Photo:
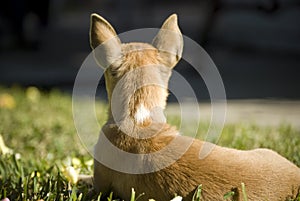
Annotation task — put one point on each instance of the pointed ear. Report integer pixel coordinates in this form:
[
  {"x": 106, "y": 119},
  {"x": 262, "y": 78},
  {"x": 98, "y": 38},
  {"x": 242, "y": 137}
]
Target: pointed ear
[
  {"x": 169, "y": 41},
  {"x": 104, "y": 41}
]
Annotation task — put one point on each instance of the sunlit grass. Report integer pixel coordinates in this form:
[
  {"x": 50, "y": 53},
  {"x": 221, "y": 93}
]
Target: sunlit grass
[{"x": 38, "y": 127}]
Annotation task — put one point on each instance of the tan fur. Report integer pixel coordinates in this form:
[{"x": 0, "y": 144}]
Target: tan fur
[{"x": 267, "y": 175}]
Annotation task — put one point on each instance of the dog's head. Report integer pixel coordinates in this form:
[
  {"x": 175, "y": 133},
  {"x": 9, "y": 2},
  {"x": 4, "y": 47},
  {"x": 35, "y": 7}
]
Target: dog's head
[{"x": 142, "y": 66}]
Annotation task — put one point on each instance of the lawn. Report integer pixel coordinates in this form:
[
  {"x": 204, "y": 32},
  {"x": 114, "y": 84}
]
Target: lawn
[{"x": 38, "y": 129}]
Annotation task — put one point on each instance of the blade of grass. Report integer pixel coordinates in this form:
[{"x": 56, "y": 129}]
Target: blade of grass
[
  {"x": 132, "y": 195},
  {"x": 110, "y": 198},
  {"x": 244, "y": 192},
  {"x": 197, "y": 194},
  {"x": 99, "y": 196},
  {"x": 228, "y": 195},
  {"x": 140, "y": 195}
]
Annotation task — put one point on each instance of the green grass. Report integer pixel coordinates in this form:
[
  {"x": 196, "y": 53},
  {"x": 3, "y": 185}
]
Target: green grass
[{"x": 39, "y": 128}]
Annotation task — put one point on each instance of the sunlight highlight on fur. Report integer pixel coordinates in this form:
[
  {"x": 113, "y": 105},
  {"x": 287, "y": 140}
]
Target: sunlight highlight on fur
[{"x": 141, "y": 114}]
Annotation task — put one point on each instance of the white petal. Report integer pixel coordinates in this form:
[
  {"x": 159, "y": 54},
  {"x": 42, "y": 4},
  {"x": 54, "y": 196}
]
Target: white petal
[
  {"x": 3, "y": 148},
  {"x": 71, "y": 174},
  {"x": 177, "y": 198}
]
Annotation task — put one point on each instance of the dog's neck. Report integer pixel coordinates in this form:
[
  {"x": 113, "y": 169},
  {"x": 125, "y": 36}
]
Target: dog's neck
[{"x": 138, "y": 99}]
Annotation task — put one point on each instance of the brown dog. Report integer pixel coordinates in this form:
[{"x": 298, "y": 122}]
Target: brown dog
[{"x": 137, "y": 77}]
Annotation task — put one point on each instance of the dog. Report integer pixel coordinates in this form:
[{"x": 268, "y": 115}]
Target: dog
[{"x": 136, "y": 76}]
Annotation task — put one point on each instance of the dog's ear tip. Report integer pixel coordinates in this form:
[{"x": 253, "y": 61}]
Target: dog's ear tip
[
  {"x": 95, "y": 17},
  {"x": 171, "y": 23},
  {"x": 174, "y": 17}
]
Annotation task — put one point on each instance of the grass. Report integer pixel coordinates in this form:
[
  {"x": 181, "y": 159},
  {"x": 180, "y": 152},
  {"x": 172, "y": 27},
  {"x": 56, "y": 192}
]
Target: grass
[{"x": 39, "y": 128}]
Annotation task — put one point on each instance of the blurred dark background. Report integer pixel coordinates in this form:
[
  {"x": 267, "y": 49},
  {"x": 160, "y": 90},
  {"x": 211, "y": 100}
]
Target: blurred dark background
[{"x": 254, "y": 43}]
